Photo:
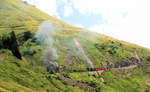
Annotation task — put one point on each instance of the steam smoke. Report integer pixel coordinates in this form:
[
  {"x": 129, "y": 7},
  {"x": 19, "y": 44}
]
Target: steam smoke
[
  {"x": 83, "y": 53},
  {"x": 44, "y": 36}
]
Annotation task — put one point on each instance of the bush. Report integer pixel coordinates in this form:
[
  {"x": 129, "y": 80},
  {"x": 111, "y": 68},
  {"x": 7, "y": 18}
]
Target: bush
[{"x": 148, "y": 58}]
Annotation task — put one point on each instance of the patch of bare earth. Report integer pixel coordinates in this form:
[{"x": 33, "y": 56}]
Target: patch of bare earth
[
  {"x": 24, "y": 59},
  {"x": 147, "y": 81},
  {"x": 3, "y": 90},
  {"x": 2, "y": 57},
  {"x": 146, "y": 68},
  {"x": 135, "y": 55},
  {"x": 72, "y": 82},
  {"x": 95, "y": 73}
]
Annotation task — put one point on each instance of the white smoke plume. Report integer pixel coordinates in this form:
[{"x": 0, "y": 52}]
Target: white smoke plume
[
  {"x": 83, "y": 53},
  {"x": 44, "y": 37}
]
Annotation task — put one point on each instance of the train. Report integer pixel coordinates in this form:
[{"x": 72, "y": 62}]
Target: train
[
  {"x": 61, "y": 68},
  {"x": 96, "y": 69}
]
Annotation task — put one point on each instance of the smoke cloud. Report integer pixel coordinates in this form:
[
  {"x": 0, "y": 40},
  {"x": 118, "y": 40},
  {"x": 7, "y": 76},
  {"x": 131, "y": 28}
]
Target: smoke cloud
[
  {"x": 83, "y": 53},
  {"x": 44, "y": 37}
]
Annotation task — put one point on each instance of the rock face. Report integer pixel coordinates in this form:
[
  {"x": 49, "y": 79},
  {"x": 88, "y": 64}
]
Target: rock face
[
  {"x": 126, "y": 63},
  {"x": 121, "y": 64},
  {"x": 9, "y": 42}
]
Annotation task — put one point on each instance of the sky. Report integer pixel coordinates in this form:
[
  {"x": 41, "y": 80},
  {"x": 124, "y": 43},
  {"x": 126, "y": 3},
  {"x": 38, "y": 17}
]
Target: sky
[{"x": 127, "y": 20}]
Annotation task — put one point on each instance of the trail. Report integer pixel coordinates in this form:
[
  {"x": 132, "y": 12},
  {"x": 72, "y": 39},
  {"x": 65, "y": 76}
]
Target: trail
[
  {"x": 83, "y": 53},
  {"x": 98, "y": 73},
  {"x": 128, "y": 67},
  {"x": 72, "y": 82}
]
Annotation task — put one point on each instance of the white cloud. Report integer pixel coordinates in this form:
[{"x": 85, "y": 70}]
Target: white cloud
[
  {"x": 48, "y": 6},
  {"x": 134, "y": 27},
  {"x": 68, "y": 10},
  {"x": 99, "y": 6},
  {"x": 125, "y": 19}
]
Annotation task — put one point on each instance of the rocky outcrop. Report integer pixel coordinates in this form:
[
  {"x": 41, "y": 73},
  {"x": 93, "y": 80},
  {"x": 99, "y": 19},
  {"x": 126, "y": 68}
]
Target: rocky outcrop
[
  {"x": 126, "y": 63},
  {"x": 123, "y": 64},
  {"x": 9, "y": 41},
  {"x": 120, "y": 64}
]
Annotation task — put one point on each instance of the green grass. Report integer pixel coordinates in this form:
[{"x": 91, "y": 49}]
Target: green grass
[
  {"x": 31, "y": 76},
  {"x": 19, "y": 75},
  {"x": 113, "y": 83}
]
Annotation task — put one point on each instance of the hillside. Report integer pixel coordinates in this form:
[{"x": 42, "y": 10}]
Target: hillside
[{"x": 41, "y": 53}]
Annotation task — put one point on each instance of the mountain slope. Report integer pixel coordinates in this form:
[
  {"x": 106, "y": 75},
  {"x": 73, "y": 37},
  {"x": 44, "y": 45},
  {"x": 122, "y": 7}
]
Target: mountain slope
[{"x": 75, "y": 46}]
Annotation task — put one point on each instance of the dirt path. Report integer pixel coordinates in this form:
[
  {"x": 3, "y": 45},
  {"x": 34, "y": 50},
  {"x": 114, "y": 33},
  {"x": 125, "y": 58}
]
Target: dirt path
[
  {"x": 122, "y": 72},
  {"x": 147, "y": 81},
  {"x": 129, "y": 67},
  {"x": 72, "y": 82},
  {"x": 2, "y": 57}
]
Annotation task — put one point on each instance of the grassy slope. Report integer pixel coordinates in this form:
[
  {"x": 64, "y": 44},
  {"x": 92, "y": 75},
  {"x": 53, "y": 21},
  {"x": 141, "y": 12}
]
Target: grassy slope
[{"x": 29, "y": 75}]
